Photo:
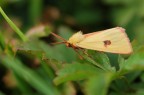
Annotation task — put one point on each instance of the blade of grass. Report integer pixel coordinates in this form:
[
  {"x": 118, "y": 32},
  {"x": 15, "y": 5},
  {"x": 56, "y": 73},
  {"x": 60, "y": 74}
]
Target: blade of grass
[
  {"x": 41, "y": 85},
  {"x": 2, "y": 42},
  {"x": 22, "y": 85},
  {"x": 13, "y": 26}
]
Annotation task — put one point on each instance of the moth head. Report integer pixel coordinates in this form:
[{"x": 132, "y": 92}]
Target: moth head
[{"x": 76, "y": 38}]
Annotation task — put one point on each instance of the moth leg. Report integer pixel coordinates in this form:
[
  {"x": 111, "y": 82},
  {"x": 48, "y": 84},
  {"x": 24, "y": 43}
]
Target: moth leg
[
  {"x": 75, "y": 49},
  {"x": 81, "y": 57},
  {"x": 84, "y": 51}
]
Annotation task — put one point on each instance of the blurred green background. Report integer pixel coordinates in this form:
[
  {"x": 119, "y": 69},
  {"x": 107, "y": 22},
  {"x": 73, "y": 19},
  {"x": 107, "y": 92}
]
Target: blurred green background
[{"x": 29, "y": 74}]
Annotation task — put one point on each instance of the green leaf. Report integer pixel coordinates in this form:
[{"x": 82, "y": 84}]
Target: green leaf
[
  {"x": 100, "y": 59},
  {"x": 36, "y": 45},
  {"x": 99, "y": 84},
  {"x": 92, "y": 61},
  {"x": 103, "y": 59},
  {"x": 54, "y": 64},
  {"x": 134, "y": 62},
  {"x": 48, "y": 69},
  {"x": 75, "y": 71},
  {"x": 121, "y": 60}
]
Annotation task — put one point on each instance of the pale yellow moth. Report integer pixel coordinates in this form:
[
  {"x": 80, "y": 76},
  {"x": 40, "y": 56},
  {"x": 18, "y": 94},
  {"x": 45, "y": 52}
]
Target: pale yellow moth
[{"x": 112, "y": 40}]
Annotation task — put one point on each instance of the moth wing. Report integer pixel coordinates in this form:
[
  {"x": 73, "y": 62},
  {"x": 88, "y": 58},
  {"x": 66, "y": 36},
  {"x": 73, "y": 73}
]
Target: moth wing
[{"x": 112, "y": 40}]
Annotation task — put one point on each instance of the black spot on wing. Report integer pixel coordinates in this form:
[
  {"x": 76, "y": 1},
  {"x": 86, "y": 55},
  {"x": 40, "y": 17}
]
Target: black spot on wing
[{"x": 107, "y": 43}]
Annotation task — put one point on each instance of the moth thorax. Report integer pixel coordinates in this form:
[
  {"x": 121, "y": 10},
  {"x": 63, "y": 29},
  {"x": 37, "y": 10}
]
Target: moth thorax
[{"x": 76, "y": 38}]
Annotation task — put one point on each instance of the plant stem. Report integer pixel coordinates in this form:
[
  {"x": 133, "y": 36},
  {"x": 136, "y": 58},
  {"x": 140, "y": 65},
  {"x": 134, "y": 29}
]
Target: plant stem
[{"x": 13, "y": 26}]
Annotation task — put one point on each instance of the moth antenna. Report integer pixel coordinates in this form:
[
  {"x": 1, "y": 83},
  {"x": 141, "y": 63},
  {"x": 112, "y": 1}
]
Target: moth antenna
[{"x": 57, "y": 36}]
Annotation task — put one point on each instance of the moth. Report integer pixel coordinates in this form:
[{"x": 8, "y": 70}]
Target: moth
[{"x": 113, "y": 40}]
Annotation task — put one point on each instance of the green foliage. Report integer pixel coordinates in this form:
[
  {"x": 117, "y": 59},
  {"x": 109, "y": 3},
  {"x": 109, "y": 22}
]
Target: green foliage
[
  {"x": 75, "y": 71},
  {"x": 28, "y": 75},
  {"x": 101, "y": 86},
  {"x": 42, "y": 68}
]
